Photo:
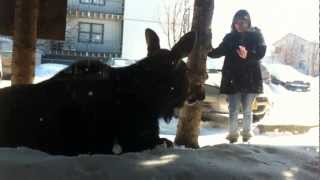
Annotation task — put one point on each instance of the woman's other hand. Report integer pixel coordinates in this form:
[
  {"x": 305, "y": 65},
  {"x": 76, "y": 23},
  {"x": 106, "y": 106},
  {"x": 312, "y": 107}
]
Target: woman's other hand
[{"x": 242, "y": 52}]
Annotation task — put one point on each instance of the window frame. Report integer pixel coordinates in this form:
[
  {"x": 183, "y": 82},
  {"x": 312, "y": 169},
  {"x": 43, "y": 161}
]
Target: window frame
[
  {"x": 93, "y": 2},
  {"x": 91, "y": 33},
  {"x": 82, "y": 2}
]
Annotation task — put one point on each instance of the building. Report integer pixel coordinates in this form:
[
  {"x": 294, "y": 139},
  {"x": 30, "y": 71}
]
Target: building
[
  {"x": 298, "y": 53},
  {"x": 123, "y": 24},
  {"x": 94, "y": 30}
]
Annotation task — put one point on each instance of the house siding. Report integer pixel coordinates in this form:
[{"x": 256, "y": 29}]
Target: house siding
[
  {"x": 110, "y": 6},
  {"x": 110, "y": 15},
  {"x": 298, "y": 53}
]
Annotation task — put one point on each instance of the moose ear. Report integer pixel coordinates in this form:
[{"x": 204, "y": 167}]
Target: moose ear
[
  {"x": 184, "y": 45},
  {"x": 152, "y": 40}
]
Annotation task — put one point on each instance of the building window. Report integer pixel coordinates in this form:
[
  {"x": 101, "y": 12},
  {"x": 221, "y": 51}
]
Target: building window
[
  {"x": 91, "y": 33},
  {"x": 302, "y": 49},
  {"x": 93, "y": 2},
  {"x": 278, "y": 50}
]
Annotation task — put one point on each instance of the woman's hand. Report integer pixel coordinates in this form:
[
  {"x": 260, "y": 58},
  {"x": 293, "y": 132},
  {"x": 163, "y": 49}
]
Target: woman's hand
[{"x": 242, "y": 52}]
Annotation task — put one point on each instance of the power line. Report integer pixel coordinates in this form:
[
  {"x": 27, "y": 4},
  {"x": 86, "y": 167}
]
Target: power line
[
  {"x": 141, "y": 20},
  {"x": 148, "y": 21}
]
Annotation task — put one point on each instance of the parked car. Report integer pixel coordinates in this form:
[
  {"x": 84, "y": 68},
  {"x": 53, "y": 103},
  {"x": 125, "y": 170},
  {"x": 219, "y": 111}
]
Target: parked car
[
  {"x": 215, "y": 104},
  {"x": 266, "y": 75},
  {"x": 289, "y": 77},
  {"x": 215, "y": 66}
]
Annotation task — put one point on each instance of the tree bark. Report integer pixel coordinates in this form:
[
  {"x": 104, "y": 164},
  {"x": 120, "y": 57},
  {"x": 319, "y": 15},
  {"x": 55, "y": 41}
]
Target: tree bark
[
  {"x": 24, "y": 46},
  {"x": 191, "y": 114}
]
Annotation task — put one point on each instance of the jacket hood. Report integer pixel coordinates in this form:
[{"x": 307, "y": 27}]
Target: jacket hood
[{"x": 241, "y": 15}]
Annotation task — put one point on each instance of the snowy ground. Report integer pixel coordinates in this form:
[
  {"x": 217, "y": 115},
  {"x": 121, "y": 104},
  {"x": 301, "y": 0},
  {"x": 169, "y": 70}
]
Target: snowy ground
[
  {"x": 237, "y": 162},
  {"x": 215, "y": 136}
]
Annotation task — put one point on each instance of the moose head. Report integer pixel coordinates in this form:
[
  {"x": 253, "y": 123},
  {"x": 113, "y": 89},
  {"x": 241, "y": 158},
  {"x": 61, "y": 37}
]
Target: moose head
[{"x": 168, "y": 71}]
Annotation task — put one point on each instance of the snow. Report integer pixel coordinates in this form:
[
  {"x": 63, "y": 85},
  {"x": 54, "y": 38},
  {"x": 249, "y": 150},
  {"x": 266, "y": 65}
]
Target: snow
[
  {"x": 5, "y": 83},
  {"x": 214, "y": 79},
  {"x": 120, "y": 62},
  {"x": 42, "y": 73},
  {"x": 223, "y": 161},
  {"x": 46, "y": 71},
  {"x": 286, "y": 73},
  {"x": 294, "y": 108},
  {"x": 213, "y": 136}
]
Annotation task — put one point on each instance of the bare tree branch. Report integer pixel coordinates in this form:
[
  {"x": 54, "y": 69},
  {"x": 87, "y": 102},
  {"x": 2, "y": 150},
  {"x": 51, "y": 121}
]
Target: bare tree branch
[{"x": 177, "y": 21}]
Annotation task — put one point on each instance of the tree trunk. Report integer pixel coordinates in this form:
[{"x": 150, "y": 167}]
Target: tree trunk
[
  {"x": 24, "y": 46},
  {"x": 191, "y": 114}
]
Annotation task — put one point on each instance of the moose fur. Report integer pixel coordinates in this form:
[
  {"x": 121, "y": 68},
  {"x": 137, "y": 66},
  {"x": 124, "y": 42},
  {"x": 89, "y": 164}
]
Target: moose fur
[{"x": 90, "y": 107}]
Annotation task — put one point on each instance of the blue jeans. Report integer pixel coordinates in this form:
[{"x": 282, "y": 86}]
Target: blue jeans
[{"x": 246, "y": 99}]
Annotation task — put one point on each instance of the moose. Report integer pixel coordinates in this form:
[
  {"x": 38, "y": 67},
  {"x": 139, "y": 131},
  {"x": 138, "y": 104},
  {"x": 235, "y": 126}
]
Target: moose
[{"x": 90, "y": 107}]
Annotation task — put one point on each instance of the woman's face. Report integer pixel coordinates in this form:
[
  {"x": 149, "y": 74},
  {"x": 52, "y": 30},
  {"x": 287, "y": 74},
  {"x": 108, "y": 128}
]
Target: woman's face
[{"x": 241, "y": 25}]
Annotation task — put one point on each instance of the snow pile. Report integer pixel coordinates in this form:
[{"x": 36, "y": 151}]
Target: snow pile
[
  {"x": 46, "y": 71},
  {"x": 294, "y": 108},
  {"x": 218, "y": 162},
  {"x": 286, "y": 73},
  {"x": 42, "y": 73},
  {"x": 5, "y": 83}
]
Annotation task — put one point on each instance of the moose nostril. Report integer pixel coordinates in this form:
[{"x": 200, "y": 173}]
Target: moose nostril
[
  {"x": 202, "y": 97},
  {"x": 192, "y": 99}
]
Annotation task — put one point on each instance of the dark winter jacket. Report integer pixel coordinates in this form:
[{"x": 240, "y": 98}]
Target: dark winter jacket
[{"x": 239, "y": 75}]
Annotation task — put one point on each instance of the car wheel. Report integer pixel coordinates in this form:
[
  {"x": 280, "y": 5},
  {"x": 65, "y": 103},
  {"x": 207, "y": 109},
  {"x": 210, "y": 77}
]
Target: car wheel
[{"x": 257, "y": 118}]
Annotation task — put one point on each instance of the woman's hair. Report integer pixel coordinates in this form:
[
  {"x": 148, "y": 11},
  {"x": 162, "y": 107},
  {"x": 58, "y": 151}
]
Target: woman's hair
[{"x": 241, "y": 15}]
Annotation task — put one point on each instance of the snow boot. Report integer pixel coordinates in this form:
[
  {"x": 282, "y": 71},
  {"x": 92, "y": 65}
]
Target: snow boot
[
  {"x": 233, "y": 138},
  {"x": 246, "y": 135}
]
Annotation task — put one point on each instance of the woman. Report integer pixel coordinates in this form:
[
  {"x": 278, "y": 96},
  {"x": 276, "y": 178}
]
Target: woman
[{"x": 243, "y": 47}]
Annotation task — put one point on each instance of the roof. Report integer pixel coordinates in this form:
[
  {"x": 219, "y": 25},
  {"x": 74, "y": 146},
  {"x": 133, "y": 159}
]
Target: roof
[{"x": 289, "y": 35}]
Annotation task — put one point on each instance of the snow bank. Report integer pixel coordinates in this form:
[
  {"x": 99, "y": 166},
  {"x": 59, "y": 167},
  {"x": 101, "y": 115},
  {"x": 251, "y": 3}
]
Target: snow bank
[
  {"x": 5, "y": 83},
  {"x": 42, "y": 73},
  {"x": 46, "y": 71},
  {"x": 286, "y": 73},
  {"x": 218, "y": 162},
  {"x": 294, "y": 108}
]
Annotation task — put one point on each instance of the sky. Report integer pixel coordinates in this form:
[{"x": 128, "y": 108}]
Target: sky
[{"x": 275, "y": 18}]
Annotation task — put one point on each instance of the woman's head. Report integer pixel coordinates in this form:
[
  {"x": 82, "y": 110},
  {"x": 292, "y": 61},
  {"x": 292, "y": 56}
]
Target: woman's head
[{"x": 241, "y": 21}]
